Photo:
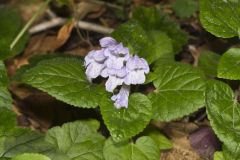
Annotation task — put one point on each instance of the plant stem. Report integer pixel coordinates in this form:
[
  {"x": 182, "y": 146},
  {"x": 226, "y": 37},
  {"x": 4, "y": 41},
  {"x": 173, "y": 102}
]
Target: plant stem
[{"x": 29, "y": 23}]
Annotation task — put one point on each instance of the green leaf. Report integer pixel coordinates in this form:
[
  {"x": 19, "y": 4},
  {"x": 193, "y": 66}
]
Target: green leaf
[
  {"x": 127, "y": 122},
  {"x": 223, "y": 111},
  {"x": 76, "y": 141},
  {"x": 31, "y": 156},
  {"x": 15, "y": 140},
  {"x": 144, "y": 149},
  {"x": 229, "y": 65},
  {"x": 5, "y": 97},
  {"x": 149, "y": 45},
  {"x": 220, "y": 17},
  {"x": 218, "y": 156},
  {"x": 160, "y": 46},
  {"x": 208, "y": 62},
  {"x": 185, "y": 8},
  {"x": 162, "y": 141},
  {"x": 153, "y": 19},
  {"x": 179, "y": 91},
  {"x": 64, "y": 79},
  {"x": 10, "y": 25}
]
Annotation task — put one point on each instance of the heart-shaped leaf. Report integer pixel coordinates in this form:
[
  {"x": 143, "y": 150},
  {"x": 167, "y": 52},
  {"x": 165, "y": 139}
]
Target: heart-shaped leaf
[
  {"x": 179, "y": 91},
  {"x": 64, "y": 79},
  {"x": 76, "y": 141},
  {"x": 224, "y": 114},
  {"x": 127, "y": 122}
]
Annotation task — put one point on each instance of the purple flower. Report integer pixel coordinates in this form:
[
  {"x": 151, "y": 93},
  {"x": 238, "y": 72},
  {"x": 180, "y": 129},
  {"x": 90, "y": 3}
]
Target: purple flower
[
  {"x": 114, "y": 62},
  {"x": 121, "y": 99},
  {"x": 137, "y": 68},
  {"x": 116, "y": 78}
]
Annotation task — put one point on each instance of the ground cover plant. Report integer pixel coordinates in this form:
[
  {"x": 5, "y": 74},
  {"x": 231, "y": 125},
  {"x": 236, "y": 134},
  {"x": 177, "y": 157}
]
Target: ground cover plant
[{"x": 119, "y": 80}]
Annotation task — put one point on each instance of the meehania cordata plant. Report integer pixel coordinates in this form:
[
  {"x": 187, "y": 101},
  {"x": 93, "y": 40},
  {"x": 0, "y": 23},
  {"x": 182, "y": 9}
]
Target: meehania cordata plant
[{"x": 138, "y": 57}]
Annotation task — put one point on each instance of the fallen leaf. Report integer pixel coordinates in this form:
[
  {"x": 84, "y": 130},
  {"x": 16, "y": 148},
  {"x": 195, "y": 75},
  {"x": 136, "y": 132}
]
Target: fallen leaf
[{"x": 64, "y": 33}]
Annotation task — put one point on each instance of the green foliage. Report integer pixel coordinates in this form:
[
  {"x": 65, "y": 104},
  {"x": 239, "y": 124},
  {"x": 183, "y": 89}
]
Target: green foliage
[
  {"x": 10, "y": 25},
  {"x": 144, "y": 149},
  {"x": 149, "y": 45},
  {"x": 185, "y": 8},
  {"x": 31, "y": 156},
  {"x": 228, "y": 66},
  {"x": 179, "y": 91},
  {"x": 153, "y": 19},
  {"x": 125, "y": 123},
  {"x": 5, "y": 97},
  {"x": 223, "y": 112},
  {"x": 162, "y": 141},
  {"x": 208, "y": 62},
  {"x": 76, "y": 141},
  {"x": 64, "y": 79},
  {"x": 218, "y": 156},
  {"x": 15, "y": 140},
  {"x": 221, "y": 17}
]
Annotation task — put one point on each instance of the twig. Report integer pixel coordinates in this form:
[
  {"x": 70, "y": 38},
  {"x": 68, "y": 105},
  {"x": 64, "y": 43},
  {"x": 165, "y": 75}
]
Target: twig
[
  {"x": 55, "y": 22},
  {"x": 29, "y": 23},
  {"x": 51, "y": 14}
]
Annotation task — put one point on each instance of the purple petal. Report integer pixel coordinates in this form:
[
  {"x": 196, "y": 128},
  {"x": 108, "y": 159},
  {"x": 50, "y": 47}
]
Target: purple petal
[
  {"x": 121, "y": 99},
  {"x": 104, "y": 73},
  {"x": 144, "y": 66},
  {"x": 107, "y": 41},
  {"x": 107, "y": 52},
  {"x": 132, "y": 63},
  {"x": 135, "y": 77},
  {"x": 89, "y": 58},
  {"x": 136, "y": 63},
  {"x": 113, "y": 82},
  {"x": 120, "y": 49},
  {"x": 94, "y": 70},
  {"x": 115, "y": 62},
  {"x": 121, "y": 73},
  {"x": 99, "y": 55}
]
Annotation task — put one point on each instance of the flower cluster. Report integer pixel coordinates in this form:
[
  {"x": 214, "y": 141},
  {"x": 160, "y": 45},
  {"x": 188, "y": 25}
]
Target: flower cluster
[{"x": 114, "y": 62}]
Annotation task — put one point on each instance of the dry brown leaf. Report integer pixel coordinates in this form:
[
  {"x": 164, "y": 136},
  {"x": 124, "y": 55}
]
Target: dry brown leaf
[
  {"x": 64, "y": 33},
  {"x": 42, "y": 44}
]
